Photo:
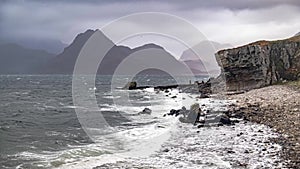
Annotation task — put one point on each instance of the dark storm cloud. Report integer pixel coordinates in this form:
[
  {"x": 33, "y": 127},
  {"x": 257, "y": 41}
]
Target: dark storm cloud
[
  {"x": 236, "y": 4},
  {"x": 191, "y": 4}
]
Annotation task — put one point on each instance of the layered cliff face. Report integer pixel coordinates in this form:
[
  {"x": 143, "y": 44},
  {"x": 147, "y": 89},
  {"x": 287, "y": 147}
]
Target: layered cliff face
[{"x": 260, "y": 64}]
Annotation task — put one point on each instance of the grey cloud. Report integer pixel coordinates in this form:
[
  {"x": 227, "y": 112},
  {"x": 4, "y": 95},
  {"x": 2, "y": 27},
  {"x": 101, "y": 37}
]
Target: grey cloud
[
  {"x": 191, "y": 4},
  {"x": 218, "y": 19}
]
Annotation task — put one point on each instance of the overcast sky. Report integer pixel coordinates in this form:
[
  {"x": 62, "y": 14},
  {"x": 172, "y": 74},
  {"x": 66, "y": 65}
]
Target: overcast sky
[{"x": 226, "y": 21}]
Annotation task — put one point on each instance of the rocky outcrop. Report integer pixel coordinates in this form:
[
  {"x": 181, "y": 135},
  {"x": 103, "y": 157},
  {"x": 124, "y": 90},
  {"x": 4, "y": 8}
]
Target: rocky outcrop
[
  {"x": 130, "y": 86},
  {"x": 260, "y": 64}
]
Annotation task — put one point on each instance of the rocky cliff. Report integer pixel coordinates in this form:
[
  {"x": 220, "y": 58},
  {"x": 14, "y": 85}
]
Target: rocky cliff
[{"x": 260, "y": 63}]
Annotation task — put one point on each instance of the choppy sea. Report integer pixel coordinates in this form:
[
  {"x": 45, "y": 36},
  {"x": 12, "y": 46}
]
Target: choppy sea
[{"x": 39, "y": 128}]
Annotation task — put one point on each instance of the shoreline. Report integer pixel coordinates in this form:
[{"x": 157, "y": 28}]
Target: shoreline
[
  {"x": 267, "y": 137},
  {"x": 244, "y": 144},
  {"x": 278, "y": 107}
]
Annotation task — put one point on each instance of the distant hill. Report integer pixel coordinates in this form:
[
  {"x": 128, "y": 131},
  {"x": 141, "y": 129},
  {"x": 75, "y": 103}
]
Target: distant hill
[
  {"x": 15, "y": 59},
  {"x": 49, "y": 45},
  {"x": 298, "y": 34},
  {"x": 206, "y": 63}
]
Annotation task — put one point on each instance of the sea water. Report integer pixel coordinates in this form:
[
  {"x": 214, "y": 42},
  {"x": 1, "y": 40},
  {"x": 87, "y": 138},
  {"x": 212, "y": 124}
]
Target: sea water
[{"x": 39, "y": 127}]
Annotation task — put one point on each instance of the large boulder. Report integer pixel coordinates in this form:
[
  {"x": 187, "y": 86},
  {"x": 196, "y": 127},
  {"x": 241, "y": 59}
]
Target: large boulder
[{"x": 194, "y": 113}]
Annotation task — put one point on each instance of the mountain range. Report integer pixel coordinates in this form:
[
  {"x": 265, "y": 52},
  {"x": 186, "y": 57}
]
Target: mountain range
[{"x": 22, "y": 59}]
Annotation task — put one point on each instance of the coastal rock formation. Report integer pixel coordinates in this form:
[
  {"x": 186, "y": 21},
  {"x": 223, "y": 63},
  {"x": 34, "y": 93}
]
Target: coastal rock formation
[
  {"x": 260, "y": 63},
  {"x": 203, "y": 118}
]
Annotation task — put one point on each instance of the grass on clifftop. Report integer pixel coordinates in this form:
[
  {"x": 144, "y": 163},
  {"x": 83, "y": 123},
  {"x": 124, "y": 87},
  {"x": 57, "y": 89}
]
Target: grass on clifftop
[{"x": 293, "y": 83}]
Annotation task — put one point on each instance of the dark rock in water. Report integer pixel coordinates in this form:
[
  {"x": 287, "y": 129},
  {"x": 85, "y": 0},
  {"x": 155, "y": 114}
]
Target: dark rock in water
[
  {"x": 224, "y": 119},
  {"x": 246, "y": 152},
  {"x": 230, "y": 152},
  {"x": 205, "y": 88},
  {"x": 130, "y": 86},
  {"x": 240, "y": 134},
  {"x": 173, "y": 97},
  {"x": 194, "y": 113},
  {"x": 166, "y": 87},
  {"x": 178, "y": 112},
  {"x": 183, "y": 120},
  {"x": 189, "y": 116},
  {"x": 184, "y": 111},
  {"x": 146, "y": 111},
  {"x": 200, "y": 125},
  {"x": 203, "y": 95},
  {"x": 172, "y": 112}
]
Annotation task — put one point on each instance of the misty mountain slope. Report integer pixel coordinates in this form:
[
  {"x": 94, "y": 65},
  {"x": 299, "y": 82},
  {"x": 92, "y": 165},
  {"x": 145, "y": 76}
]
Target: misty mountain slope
[
  {"x": 206, "y": 63},
  {"x": 65, "y": 61},
  {"x": 49, "y": 45},
  {"x": 15, "y": 59}
]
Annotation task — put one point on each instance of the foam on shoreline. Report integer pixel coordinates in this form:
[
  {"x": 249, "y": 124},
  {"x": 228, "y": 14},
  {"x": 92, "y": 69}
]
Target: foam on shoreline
[{"x": 178, "y": 145}]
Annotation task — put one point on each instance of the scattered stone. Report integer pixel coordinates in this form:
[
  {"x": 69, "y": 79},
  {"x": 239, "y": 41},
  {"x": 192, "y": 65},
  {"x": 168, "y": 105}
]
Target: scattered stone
[
  {"x": 224, "y": 119},
  {"x": 275, "y": 107},
  {"x": 146, "y": 111},
  {"x": 203, "y": 95},
  {"x": 240, "y": 134}
]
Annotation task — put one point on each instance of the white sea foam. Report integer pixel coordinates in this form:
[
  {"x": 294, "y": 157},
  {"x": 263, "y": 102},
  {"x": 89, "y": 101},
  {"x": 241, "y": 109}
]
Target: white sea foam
[{"x": 170, "y": 144}]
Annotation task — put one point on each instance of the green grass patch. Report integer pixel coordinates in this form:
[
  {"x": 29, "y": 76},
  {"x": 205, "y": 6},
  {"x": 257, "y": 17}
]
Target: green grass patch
[{"x": 295, "y": 83}]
